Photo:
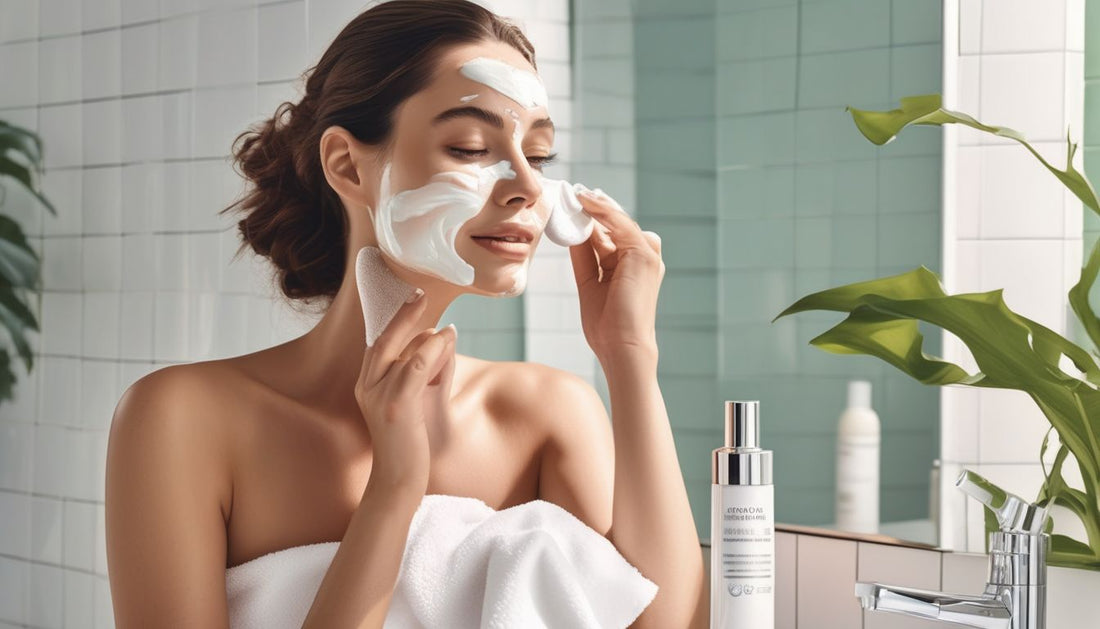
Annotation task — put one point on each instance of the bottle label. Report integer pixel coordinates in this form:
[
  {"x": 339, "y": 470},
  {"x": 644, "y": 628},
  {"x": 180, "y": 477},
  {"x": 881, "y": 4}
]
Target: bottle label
[{"x": 742, "y": 556}]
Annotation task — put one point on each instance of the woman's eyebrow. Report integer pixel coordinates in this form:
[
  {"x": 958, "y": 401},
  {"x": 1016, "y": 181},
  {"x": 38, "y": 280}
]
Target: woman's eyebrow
[{"x": 484, "y": 115}]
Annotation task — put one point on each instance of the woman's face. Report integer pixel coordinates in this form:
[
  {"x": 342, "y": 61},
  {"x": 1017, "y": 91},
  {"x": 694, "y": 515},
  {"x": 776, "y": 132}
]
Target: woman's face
[{"x": 464, "y": 172}]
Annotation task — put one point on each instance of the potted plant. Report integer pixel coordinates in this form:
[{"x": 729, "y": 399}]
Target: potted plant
[
  {"x": 20, "y": 267},
  {"x": 1011, "y": 351}
]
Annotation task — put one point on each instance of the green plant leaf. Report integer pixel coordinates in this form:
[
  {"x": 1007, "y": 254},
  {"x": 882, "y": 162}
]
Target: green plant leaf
[
  {"x": 1070, "y": 553},
  {"x": 1056, "y": 491},
  {"x": 1011, "y": 351},
  {"x": 881, "y": 127},
  {"x": 1079, "y": 296},
  {"x": 15, "y": 318},
  {"x": 19, "y": 264},
  {"x": 22, "y": 174},
  {"x": 897, "y": 341},
  {"x": 20, "y": 140},
  {"x": 920, "y": 282},
  {"x": 7, "y": 378}
]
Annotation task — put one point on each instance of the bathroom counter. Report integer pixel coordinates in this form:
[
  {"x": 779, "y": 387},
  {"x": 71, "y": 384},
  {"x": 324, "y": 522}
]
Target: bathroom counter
[{"x": 816, "y": 570}]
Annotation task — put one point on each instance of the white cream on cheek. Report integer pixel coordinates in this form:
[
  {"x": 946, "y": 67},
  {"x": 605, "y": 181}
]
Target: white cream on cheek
[{"x": 418, "y": 227}]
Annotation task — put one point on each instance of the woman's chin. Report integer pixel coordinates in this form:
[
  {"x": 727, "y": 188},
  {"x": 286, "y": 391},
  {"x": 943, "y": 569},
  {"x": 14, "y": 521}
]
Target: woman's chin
[{"x": 501, "y": 284}]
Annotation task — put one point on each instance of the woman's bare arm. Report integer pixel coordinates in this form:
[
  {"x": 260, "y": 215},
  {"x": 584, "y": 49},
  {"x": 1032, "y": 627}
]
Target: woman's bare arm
[
  {"x": 619, "y": 272},
  {"x": 629, "y": 482},
  {"x": 652, "y": 525},
  {"x": 168, "y": 491},
  {"x": 359, "y": 584},
  {"x": 394, "y": 394}
]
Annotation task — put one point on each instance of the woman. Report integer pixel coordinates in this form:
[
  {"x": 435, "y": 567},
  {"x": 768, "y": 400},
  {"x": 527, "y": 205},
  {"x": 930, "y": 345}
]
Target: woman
[{"x": 216, "y": 463}]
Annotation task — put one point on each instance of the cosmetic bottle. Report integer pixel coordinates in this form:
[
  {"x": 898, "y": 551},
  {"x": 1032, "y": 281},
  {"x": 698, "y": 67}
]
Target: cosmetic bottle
[
  {"x": 857, "y": 462},
  {"x": 742, "y": 525}
]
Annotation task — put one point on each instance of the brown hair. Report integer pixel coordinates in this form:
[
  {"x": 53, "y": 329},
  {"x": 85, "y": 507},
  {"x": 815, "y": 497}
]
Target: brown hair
[{"x": 382, "y": 57}]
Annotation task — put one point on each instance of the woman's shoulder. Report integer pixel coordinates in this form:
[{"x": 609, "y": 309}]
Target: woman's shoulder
[
  {"x": 170, "y": 421},
  {"x": 188, "y": 384},
  {"x": 196, "y": 396},
  {"x": 519, "y": 388}
]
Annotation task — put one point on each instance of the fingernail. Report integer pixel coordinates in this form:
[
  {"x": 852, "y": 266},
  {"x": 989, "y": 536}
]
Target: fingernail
[
  {"x": 415, "y": 296},
  {"x": 453, "y": 329}
]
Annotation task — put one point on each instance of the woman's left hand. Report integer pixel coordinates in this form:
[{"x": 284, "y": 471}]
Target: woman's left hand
[{"x": 618, "y": 272}]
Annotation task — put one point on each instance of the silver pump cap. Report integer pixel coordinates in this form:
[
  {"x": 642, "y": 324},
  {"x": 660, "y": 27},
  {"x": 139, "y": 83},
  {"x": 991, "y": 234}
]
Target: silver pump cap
[
  {"x": 741, "y": 461},
  {"x": 742, "y": 424}
]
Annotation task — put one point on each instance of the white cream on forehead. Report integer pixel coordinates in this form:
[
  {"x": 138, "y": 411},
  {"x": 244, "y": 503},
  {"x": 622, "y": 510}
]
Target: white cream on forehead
[
  {"x": 418, "y": 227},
  {"x": 520, "y": 85}
]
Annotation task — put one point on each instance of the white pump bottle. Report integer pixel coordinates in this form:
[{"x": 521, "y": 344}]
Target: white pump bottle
[
  {"x": 742, "y": 525},
  {"x": 857, "y": 462}
]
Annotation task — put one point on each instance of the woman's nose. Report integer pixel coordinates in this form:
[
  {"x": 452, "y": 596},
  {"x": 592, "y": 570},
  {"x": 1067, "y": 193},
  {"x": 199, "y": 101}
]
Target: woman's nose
[{"x": 523, "y": 190}]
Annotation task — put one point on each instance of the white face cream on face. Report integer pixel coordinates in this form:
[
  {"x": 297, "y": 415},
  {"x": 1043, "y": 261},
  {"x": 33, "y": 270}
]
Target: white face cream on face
[
  {"x": 568, "y": 224},
  {"x": 418, "y": 227},
  {"x": 520, "y": 85}
]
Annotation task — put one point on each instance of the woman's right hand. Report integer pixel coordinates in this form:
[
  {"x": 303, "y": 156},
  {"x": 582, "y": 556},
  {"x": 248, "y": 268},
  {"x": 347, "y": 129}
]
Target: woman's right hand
[{"x": 403, "y": 384}]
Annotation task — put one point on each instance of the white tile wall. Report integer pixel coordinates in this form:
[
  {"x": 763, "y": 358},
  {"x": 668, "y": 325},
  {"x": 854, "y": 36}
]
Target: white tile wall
[
  {"x": 137, "y": 108},
  {"x": 1018, "y": 64}
]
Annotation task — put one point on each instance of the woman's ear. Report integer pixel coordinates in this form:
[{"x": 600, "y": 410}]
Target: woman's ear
[{"x": 350, "y": 167}]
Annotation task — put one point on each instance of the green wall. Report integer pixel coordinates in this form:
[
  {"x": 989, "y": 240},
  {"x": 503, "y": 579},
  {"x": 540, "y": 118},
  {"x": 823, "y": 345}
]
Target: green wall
[{"x": 763, "y": 191}]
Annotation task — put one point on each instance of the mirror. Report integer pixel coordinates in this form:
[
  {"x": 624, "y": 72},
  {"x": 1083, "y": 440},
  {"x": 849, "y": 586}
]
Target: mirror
[{"x": 722, "y": 124}]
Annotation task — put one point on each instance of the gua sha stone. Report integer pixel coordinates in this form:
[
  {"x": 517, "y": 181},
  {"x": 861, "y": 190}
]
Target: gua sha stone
[{"x": 381, "y": 293}]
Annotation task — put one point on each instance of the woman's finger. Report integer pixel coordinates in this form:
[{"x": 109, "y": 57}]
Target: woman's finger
[
  {"x": 654, "y": 240},
  {"x": 606, "y": 251},
  {"x": 415, "y": 343},
  {"x": 623, "y": 229},
  {"x": 415, "y": 373},
  {"x": 586, "y": 267},
  {"x": 411, "y": 347},
  {"x": 446, "y": 375}
]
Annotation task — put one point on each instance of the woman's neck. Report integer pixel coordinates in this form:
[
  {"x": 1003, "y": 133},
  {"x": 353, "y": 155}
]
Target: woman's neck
[{"x": 327, "y": 360}]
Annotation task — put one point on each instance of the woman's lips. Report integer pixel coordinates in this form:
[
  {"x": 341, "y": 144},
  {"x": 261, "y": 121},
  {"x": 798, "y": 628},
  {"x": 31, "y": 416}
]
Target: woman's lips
[{"x": 504, "y": 248}]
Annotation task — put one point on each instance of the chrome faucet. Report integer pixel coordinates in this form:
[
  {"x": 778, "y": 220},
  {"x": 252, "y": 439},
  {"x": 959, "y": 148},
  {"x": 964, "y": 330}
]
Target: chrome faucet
[{"x": 1015, "y": 595}]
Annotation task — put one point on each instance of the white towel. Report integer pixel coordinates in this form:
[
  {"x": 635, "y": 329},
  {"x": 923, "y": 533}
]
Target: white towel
[{"x": 465, "y": 566}]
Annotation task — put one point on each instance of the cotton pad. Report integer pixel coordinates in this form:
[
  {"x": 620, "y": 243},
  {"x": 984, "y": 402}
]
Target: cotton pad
[
  {"x": 381, "y": 293},
  {"x": 568, "y": 224}
]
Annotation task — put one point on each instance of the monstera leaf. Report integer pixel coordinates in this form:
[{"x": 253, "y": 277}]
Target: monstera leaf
[
  {"x": 1011, "y": 351},
  {"x": 20, "y": 155}
]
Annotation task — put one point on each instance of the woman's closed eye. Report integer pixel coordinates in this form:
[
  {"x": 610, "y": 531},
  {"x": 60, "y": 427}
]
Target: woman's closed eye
[{"x": 538, "y": 161}]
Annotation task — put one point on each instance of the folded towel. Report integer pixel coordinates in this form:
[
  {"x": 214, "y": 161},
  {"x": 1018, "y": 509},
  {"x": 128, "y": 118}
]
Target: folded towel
[{"x": 465, "y": 566}]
